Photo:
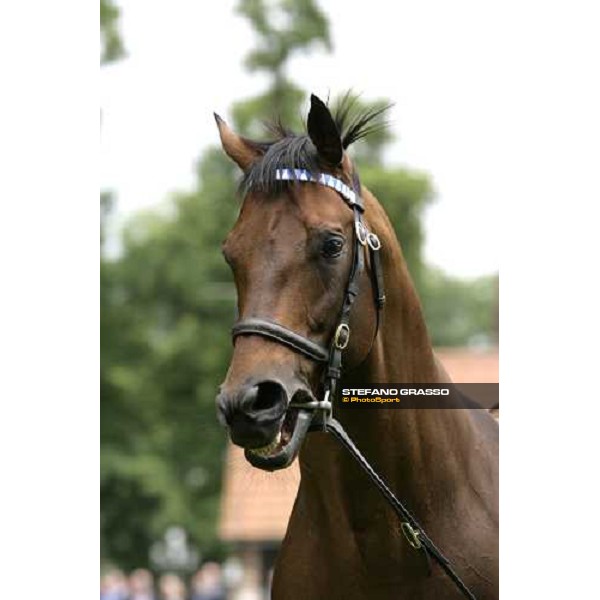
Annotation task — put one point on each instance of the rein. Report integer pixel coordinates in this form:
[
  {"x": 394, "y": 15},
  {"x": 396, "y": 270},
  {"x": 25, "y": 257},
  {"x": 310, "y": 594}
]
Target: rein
[{"x": 317, "y": 414}]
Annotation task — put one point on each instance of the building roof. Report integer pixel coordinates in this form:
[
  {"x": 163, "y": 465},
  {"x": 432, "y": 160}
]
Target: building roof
[
  {"x": 256, "y": 505},
  {"x": 466, "y": 365}
]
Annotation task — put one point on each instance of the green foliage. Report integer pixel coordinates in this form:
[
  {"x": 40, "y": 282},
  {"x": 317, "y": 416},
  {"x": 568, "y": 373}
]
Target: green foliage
[
  {"x": 284, "y": 101},
  {"x": 458, "y": 311},
  {"x": 284, "y": 28},
  {"x": 112, "y": 44},
  {"x": 167, "y": 306},
  {"x": 404, "y": 195}
]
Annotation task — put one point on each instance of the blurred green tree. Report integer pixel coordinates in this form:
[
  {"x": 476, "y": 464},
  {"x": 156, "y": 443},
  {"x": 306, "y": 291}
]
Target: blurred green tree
[
  {"x": 112, "y": 43},
  {"x": 167, "y": 306},
  {"x": 284, "y": 28},
  {"x": 460, "y": 311},
  {"x": 404, "y": 193}
]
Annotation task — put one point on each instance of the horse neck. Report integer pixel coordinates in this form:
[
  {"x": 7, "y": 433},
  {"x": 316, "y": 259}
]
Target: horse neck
[
  {"x": 402, "y": 352},
  {"x": 408, "y": 447}
]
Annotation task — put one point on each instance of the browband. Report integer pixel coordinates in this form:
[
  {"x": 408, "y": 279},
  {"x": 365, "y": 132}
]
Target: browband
[{"x": 351, "y": 197}]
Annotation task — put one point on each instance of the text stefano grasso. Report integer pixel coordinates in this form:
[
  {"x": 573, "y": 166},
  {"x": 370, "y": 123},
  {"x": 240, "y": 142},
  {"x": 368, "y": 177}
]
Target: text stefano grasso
[{"x": 396, "y": 391}]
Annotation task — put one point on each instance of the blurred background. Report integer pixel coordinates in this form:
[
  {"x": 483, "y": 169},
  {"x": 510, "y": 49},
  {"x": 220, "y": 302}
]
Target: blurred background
[{"x": 181, "y": 514}]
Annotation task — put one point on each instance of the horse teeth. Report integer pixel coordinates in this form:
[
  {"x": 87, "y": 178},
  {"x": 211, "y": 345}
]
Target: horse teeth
[{"x": 266, "y": 450}]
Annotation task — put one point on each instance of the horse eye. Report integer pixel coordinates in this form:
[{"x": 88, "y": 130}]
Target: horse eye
[{"x": 332, "y": 247}]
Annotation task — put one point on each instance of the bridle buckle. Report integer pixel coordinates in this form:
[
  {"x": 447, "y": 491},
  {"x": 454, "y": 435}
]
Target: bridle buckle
[
  {"x": 342, "y": 336},
  {"x": 362, "y": 233},
  {"x": 411, "y": 535},
  {"x": 373, "y": 241}
]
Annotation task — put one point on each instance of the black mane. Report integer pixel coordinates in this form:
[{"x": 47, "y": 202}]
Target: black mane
[{"x": 292, "y": 150}]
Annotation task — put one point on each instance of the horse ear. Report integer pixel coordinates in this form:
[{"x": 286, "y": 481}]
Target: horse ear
[
  {"x": 237, "y": 148},
  {"x": 323, "y": 132}
]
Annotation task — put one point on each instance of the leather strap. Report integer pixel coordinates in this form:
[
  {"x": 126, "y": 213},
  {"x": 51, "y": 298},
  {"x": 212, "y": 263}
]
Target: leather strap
[
  {"x": 334, "y": 368},
  {"x": 281, "y": 334},
  {"x": 423, "y": 540},
  {"x": 377, "y": 276}
]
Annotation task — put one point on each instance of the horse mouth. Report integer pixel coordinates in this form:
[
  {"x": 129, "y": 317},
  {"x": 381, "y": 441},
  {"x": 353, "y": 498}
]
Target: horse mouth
[
  {"x": 282, "y": 439},
  {"x": 281, "y": 451}
]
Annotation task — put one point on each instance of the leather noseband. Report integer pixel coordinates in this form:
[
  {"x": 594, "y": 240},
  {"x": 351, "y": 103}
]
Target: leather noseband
[{"x": 283, "y": 335}]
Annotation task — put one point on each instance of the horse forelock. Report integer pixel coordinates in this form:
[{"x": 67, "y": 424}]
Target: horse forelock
[{"x": 288, "y": 149}]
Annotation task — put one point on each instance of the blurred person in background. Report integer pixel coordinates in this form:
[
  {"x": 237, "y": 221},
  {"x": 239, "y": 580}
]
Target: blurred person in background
[
  {"x": 171, "y": 587},
  {"x": 207, "y": 583},
  {"x": 113, "y": 586},
  {"x": 141, "y": 585}
]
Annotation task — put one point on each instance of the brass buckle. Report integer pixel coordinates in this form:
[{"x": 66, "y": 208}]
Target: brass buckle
[
  {"x": 342, "y": 336},
  {"x": 411, "y": 535}
]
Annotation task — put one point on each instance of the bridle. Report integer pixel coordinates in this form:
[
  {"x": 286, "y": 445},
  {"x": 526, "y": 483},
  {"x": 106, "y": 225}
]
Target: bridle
[
  {"x": 364, "y": 241},
  {"x": 317, "y": 414}
]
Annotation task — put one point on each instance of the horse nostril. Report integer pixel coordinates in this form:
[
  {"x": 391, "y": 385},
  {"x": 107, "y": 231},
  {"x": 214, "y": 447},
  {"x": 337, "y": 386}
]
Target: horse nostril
[
  {"x": 249, "y": 398},
  {"x": 253, "y": 413},
  {"x": 264, "y": 397}
]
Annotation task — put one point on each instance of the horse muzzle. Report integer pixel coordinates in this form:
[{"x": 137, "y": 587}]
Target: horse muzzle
[{"x": 263, "y": 420}]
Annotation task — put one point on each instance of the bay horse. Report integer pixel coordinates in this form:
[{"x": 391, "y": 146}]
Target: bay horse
[{"x": 291, "y": 252}]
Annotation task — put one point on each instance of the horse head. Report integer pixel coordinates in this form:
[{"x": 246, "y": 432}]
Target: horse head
[{"x": 292, "y": 251}]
